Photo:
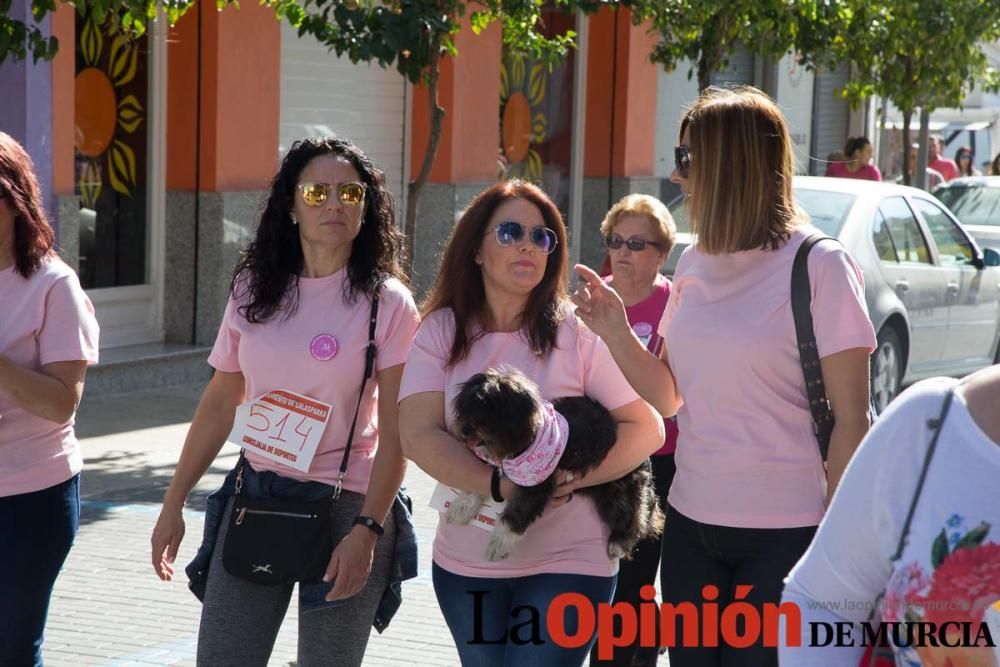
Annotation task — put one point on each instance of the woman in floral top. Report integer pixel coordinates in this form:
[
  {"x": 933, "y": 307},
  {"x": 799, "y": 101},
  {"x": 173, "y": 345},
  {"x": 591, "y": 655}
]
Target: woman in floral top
[{"x": 949, "y": 568}]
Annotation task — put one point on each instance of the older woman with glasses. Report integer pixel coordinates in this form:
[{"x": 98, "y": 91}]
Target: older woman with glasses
[
  {"x": 751, "y": 483},
  {"x": 639, "y": 233},
  {"x": 318, "y": 284},
  {"x": 500, "y": 299}
]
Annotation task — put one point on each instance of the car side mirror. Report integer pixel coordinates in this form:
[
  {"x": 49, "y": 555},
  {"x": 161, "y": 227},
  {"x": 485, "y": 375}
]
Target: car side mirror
[{"x": 991, "y": 257}]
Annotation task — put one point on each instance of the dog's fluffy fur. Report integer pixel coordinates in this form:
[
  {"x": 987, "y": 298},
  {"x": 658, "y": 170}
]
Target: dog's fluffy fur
[{"x": 502, "y": 410}]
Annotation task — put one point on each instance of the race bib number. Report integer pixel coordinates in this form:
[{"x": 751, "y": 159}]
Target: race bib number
[
  {"x": 486, "y": 516},
  {"x": 281, "y": 426}
]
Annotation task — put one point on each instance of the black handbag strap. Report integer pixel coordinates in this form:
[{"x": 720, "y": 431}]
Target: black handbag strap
[
  {"x": 935, "y": 425},
  {"x": 370, "y": 350},
  {"x": 805, "y": 335}
]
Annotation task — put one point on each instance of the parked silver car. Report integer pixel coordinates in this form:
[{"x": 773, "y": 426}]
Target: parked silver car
[
  {"x": 975, "y": 201},
  {"x": 932, "y": 294}
]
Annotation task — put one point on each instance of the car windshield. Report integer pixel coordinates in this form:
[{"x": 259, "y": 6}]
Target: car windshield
[
  {"x": 972, "y": 205},
  {"x": 826, "y": 209}
]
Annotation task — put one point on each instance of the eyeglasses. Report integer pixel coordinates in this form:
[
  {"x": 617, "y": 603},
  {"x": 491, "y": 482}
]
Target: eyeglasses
[
  {"x": 511, "y": 233},
  {"x": 315, "y": 194},
  {"x": 635, "y": 244},
  {"x": 682, "y": 160}
]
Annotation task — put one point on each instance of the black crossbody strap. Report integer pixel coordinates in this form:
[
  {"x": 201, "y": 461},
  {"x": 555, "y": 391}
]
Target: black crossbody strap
[
  {"x": 935, "y": 425},
  {"x": 369, "y": 369},
  {"x": 805, "y": 335}
]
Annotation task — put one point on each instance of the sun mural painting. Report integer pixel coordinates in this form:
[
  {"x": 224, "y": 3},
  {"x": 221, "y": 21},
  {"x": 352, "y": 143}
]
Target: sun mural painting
[
  {"x": 523, "y": 124},
  {"x": 106, "y": 113}
]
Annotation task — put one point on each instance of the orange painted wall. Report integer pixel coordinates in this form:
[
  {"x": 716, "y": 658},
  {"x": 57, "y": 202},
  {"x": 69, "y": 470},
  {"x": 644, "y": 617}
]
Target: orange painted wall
[
  {"x": 240, "y": 99},
  {"x": 63, "y": 91},
  {"x": 469, "y": 91},
  {"x": 621, "y": 90}
]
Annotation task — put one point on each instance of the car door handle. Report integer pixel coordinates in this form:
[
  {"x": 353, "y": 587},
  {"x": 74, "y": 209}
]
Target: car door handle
[
  {"x": 902, "y": 286},
  {"x": 953, "y": 288}
]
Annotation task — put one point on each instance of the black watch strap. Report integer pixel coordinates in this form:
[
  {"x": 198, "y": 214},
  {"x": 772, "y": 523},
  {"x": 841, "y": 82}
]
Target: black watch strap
[{"x": 369, "y": 523}]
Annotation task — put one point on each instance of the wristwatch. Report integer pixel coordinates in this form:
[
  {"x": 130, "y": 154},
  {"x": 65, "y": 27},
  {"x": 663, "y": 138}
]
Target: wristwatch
[{"x": 369, "y": 523}]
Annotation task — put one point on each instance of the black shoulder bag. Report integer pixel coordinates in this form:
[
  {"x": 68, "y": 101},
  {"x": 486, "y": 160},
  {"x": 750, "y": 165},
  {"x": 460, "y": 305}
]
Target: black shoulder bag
[
  {"x": 819, "y": 404},
  {"x": 282, "y": 541}
]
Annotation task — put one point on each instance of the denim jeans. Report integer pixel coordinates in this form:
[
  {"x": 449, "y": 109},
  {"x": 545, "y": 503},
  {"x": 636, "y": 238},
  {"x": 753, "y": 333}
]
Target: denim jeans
[
  {"x": 696, "y": 554},
  {"x": 38, "y": 529},
  {"x": 502, "y": 622}
]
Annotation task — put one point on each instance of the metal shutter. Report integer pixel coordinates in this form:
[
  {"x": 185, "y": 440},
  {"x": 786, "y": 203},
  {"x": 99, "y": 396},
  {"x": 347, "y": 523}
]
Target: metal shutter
[
  {"x": 739, "y": 71},
  {"x": 322, "y": 94},
  {"x": 831, "y": 117}
]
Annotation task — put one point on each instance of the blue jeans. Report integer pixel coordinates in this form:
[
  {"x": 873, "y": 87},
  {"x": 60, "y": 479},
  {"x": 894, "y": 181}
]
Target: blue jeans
[
  {"x": 502, "y": 622},
  {"x": 38, "y": 529}
]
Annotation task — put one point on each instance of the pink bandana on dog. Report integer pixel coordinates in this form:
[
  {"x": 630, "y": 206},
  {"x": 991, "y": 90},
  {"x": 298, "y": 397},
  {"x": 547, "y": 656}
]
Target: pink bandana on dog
[{"x": 541, "y": 458}]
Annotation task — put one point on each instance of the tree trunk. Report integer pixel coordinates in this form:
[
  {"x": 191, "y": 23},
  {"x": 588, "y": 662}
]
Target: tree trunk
[
  {"x": 921, "y": 172},
  {"x": 907, "y": 167},
  {"x": 416, "y": 187}
]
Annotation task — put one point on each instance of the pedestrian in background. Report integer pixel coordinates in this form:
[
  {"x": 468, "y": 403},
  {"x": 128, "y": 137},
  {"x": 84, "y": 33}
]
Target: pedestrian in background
[
  {"x": 639, "y": 233},
  {"x": 298, "y": 320},
  {"x": 936, "y": 159},
  {"x": 750, "y": 486},
  {"x": 965, "y": 159},
  {"x": 48, "y": 337},
  {"x": 500, "y": 299},
  {"x": 857, "y": 162}
]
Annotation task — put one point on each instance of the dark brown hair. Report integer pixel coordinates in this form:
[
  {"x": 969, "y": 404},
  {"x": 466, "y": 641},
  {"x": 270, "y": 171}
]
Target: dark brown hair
[
  {"x": 459, "y": 281},
  {"x": 33, "y": 235}
]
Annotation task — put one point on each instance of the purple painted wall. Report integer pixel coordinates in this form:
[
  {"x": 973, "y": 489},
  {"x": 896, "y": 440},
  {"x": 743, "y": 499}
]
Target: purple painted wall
[{"x": 26, "y": 108}]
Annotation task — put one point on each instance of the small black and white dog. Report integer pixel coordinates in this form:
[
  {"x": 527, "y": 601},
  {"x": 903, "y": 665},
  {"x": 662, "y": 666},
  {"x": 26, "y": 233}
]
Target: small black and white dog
[{"x": 502, "y": 411}]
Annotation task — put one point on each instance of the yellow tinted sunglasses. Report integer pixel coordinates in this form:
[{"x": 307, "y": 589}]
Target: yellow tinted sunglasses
[{"x": 316, "y": 194}]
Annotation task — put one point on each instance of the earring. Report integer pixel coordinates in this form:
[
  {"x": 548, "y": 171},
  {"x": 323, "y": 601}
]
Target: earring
[{"x": 295, "y": 220}]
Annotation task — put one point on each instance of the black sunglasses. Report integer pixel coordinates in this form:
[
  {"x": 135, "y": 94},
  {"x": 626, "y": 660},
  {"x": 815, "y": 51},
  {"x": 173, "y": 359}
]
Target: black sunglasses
[
  {"x": 510, "y": 233},
  {"x": 635, "y": 244},
  {"x": 682, "y": 160}
]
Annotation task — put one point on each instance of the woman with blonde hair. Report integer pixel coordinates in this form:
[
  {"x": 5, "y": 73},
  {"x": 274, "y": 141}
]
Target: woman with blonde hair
[
  {"x": 639, "y": 233},
  {"x": 751, "y": 485}
]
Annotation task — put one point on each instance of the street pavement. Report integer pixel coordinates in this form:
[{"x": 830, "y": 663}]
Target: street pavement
[{"x": 109, "y": 609}]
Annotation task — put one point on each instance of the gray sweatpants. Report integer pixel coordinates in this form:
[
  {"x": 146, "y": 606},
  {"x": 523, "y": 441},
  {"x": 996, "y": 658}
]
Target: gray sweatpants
[{"x": 240, "y": 620}]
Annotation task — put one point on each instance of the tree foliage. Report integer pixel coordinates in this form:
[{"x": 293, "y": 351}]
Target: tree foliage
[{"x": 918, "y": 54}]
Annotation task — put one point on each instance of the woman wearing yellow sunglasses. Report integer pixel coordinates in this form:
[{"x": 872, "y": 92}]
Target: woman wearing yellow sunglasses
[{"x": 291, "y": 353}]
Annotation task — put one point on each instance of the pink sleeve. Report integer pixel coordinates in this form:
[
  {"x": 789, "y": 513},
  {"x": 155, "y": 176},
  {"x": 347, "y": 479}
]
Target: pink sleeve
[
  {"x": 69, "y": 331},
  {"x": 394, "y": 333},
  {"x": 602, "y": 379},
  {"x": 225, "y": 353},
  {"x": 876, "y": 174},
  {"x": 840, "y": 315},
  {"x": 428, "y": 359}
]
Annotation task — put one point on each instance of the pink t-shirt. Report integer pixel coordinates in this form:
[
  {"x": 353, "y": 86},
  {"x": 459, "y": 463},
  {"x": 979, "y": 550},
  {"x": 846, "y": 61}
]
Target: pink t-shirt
[
  {"x": 868, "y": 172},
  {"x": 945, "y": 166},
  {"x": 747, "y": 456},
  {"x": 570, "y": 538},
  {"x": 644, "y": 318},
  {"x": 276, "y": 354},
  {"x": 46, "y": 318}
]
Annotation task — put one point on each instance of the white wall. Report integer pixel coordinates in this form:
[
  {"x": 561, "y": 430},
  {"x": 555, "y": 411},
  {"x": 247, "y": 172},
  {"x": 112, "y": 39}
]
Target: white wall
[
  {"x": 795, "y": 97},
  {"x": 674, "y": 92}
]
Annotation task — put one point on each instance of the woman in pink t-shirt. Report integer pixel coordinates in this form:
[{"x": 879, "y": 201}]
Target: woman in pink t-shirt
[
  {"x": 298, "y": 321},
  {"x": 750, "y": 486},
  {"x": 857, "y": 164},
  {"x": 48, "y": 336},
  {"x": 499, "y": 299},
  {"x": 639, "y": 233}
]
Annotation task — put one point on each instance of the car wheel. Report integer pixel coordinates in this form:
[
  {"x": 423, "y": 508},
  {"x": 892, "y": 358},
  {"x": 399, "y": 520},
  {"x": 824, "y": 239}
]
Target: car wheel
[{"x": 887, "y": 368}]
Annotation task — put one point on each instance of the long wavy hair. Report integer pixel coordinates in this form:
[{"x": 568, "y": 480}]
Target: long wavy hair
[
  {"x": 269, "y": 268},
  {"x": 459, "y": 281},
  {"x": 33, "y": 234}
]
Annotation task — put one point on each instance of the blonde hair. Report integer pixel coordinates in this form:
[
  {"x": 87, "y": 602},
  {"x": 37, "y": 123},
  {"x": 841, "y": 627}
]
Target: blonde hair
[
  {"x": 651, "y": 208},
  {"x": 741, "y": 171}
]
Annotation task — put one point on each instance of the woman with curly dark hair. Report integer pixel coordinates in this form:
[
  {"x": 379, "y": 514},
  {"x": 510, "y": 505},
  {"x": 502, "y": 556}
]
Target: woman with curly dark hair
[
  {"x": 321, "y": 273},
  {"x": 48, "y": 336}
]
